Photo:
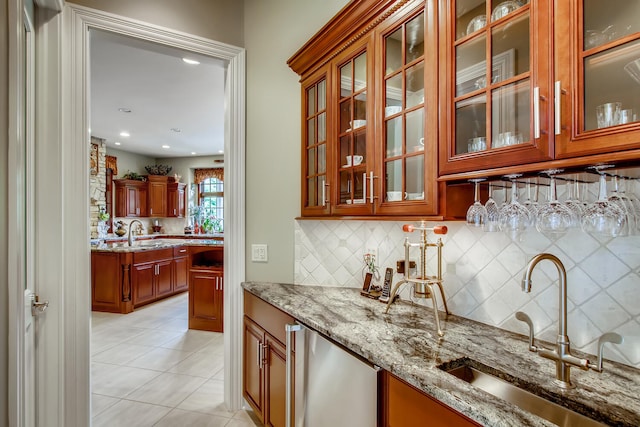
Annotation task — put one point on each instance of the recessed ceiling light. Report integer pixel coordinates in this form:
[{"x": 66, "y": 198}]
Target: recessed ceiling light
[
  {"x": 166, "y": 147},
  {"x": 176, "y": 130},
  {"x": 124, "y": 133},
  {"x": 221, "y": 151},
  {"x": 193, "y": 153},
  {"x": 117, "y": 143},
  {"x": 124, "y": 110},
  {"x": 191, "y": 61}
]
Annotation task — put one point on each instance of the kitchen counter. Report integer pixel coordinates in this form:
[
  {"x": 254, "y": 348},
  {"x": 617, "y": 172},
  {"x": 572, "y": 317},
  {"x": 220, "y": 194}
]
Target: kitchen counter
[
  {"x": 151, "y": 244},
  {"x": 405, "y": 343}
]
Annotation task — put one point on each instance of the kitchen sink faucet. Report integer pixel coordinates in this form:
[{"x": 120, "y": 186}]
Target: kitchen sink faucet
[
  {"x": 562, "y": 353},
  {"x": 130, "y": 238}
]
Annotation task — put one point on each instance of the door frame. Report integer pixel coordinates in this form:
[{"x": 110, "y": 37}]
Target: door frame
[{"x": 62, "y": 185}]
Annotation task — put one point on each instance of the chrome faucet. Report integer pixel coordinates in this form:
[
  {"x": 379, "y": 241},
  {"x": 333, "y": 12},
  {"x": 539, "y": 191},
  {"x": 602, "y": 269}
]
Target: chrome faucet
[
  {"x": 562, "y": 353},
  {"x": 130, "y": 237}
]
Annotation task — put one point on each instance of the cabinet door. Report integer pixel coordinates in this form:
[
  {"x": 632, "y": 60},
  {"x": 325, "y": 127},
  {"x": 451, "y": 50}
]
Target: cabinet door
[
  {"x": 275, "y": 383},
  {"x": 105, "y": 282},
  {"x": 157, "y": 199},
  {"x": 252, "y": 367},
  {"x": 597, "y": 73},
  {"x": 180, "y": 203},
  {"x": 143, "y": 283},
  {"x": 316, "y": 188},
  {"x": 408, "y": 114},
  {"x": 352, "y": 143},
  {"x": 164, "y": 277},
  {"x": 495, "y": 64},
  {"x": 180, "y": 274},
  {"x": 205, "y": 300}
]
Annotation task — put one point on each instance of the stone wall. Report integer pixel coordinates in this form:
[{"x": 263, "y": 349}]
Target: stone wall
[{"x": 97, "y": 186}]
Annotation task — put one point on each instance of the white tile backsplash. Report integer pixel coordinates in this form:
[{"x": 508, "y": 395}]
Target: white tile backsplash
[{"x": 483, "y": 271}]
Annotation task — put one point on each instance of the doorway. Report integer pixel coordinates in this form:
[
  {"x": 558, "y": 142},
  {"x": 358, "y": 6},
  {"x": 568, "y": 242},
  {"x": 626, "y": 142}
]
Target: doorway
[{"x": 78, "y": 21}]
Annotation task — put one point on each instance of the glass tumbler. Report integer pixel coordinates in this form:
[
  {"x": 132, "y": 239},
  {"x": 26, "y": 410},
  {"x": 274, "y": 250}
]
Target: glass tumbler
[{"x": 608, "y": 114}]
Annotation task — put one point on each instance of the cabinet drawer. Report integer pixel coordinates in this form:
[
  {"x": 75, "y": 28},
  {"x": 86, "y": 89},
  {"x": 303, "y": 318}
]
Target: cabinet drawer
[
  {"x": 267, "y": 316},
  {"x": 180, "y": 251},
  {"x": 150, "y": 256}
]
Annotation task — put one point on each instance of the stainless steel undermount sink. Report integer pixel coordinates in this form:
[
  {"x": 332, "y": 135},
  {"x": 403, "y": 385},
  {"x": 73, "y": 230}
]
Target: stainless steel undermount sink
[{"x": 469, "y": 371}]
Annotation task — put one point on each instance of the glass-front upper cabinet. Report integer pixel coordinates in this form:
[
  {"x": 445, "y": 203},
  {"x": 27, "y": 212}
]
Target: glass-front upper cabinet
[
  {"x": 497, "y": 96},
  {"x": 354, "y": 158},
  {"x": 408, "y": 159},
  {"x": 597, "y": 73},
  {"x": 315, "y": 185}
]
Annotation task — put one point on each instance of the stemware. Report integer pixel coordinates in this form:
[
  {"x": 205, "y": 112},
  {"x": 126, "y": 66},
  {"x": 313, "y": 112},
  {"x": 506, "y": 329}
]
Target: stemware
[
  {"x": 532, "y": 205},
  {"x": 554, "y": 218},
  {"x": 514, "y": 218},
  {"x": 573, "y": 201},
  {"x": 602, "y": 217},
  {"x": 477, "y": 213},
  {"x": 619, "y": 197},
  {"x": 493, "y": 213}
]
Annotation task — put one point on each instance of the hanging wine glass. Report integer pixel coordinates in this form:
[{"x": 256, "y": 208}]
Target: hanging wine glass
[
  {"x": 573, "y": 201},
  {"x": 635, "y": 202},
  {"x": 554, "y": 218},
  {"x": 477, "y": 213},
  {"x": 619, "y": 197},
  {"x": 493, "y": 213},
  {"x": 602, "y": 217},
  {"x": 514, "y": 218},
  {"x": 532, "y": 205}
]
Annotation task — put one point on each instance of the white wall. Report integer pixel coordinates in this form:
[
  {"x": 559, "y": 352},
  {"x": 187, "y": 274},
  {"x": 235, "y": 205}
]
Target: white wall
[
  {"x": 130, "y": 162},
  {"x": 274, "y": 31}
]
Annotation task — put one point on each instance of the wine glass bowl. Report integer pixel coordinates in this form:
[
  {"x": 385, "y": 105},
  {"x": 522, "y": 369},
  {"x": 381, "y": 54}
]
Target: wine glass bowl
[
  {"x": 554, "y": 218},
  {"x": 514, "y": 218},
  {"x": 477, "y": 213},
  {"x": 603, "y": 217}
]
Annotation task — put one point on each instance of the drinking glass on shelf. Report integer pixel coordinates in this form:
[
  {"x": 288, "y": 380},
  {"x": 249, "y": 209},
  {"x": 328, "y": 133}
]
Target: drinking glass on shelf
[
  {"x": 602, "y": 217},
  {"x": 514, "y": 217},
  {"x": 493, "y": 213},
  {"x": 554, "y": 218},
  {"x": 573, "y": 201},
  {"x": 477, "y": 213}
]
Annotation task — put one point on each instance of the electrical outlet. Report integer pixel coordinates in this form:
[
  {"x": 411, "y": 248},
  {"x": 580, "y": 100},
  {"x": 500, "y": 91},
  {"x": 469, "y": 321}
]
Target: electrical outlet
[{"x": 259, "y": 253}]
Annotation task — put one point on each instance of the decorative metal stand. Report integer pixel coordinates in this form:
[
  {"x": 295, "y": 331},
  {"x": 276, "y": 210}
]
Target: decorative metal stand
[{"x": 423, "y": 285}]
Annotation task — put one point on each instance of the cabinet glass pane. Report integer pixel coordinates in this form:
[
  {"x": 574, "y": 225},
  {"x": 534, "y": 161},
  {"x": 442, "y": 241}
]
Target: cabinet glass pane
[
  {"x": 311, "y": 131},
  {"x": 415, "y": 85},
  {"x": 471, "y": 16},
  {"x": 311, "y": 100},
  {"x": 322, "y": 158},
  {"x": 510, "y": 114},
  {"x": 361, "y": 110},
  {"x": 360, "y": 65},
  {"x": 345, "y": 150},
  {"x": 415, "y": 131},
  {"x": 345, "y": 115},
  {"x": 393, "y": 51},
  {"x": 322, "y": 95},
  {"x": 394, "y": 93},
  {"x": 311, "y": 161},
  {"x": 360, "y": 146},
  {"x": 394, "y": 137},
  {"x": 321, "y": 190},
  {"x": 510, "y": 47},
  {"x": 351, "y": 187},
  {"x": 471, "y": 124},
  {"x": 415, "y": 178},
  {"x": 322, "y": 127},
  {"x": 393, "y": 181},
  {"x": 607, "y": 21},
  {"x": 612, "y": 87},
  {"x": 471, "y": 69},
  {"x": 414, "y": 41},
  {"x": 312, "y": 196},
  {"x": 346, "y": 82}
]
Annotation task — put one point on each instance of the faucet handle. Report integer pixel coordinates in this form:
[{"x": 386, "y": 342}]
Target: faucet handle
[
  {"x": 523, "y": 317},
  {"x": 611, "y": 337}
]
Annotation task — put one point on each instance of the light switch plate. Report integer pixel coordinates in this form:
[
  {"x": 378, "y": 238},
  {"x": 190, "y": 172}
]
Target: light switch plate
[{"x": 259, "y": 253}]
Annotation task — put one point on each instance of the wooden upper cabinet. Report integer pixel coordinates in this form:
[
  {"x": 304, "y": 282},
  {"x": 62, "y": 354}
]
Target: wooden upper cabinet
[
  {"x": 176, "y": 200},
  {"x": 495, "y": 59},
  {"x": 597, "y": 76},
  {"x": 157, "y": 195},
  {"x": 369, "y": 115},
  {"x": 131, "y": 198}
]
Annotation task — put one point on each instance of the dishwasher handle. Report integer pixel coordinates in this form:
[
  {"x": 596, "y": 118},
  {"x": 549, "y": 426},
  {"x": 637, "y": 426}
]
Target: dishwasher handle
[{"x": 290, "y": 329}]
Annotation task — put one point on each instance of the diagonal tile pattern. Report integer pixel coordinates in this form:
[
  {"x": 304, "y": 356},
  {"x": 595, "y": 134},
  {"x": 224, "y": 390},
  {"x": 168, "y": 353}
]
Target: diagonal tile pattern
[{"x": 149, "y": 369}]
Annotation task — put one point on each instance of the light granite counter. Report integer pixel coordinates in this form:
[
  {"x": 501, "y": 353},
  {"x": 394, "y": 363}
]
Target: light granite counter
[
  {"x": 151, "y": 244},
  {"x": 405, "y": 343}
]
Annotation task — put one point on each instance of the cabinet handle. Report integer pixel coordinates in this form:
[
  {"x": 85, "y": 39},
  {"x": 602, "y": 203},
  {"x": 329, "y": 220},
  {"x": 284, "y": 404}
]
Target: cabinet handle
[
  {"x": 364, "y": 187},
  {"x": 137, "y": 211},
  {"x": 289, "y": 329},
  {"x": 174, "y": 211},
  {"x": 324, "y": 194},
  {"x": 536, "y": 112},
  {"x": 558, "y": 106},
  {"x": 150, "y": 211},
  {"x": 259, "y": 355},
  {"x": 371, "y": 196}
]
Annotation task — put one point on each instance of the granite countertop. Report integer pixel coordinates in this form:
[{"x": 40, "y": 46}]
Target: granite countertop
[
  {"x": 152, "y": 244},
  {"x": 405, "y": 343}
]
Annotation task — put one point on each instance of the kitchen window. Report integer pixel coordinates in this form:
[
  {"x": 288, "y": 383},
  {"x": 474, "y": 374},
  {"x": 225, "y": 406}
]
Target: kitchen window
[{"x": 211, "y": 198}]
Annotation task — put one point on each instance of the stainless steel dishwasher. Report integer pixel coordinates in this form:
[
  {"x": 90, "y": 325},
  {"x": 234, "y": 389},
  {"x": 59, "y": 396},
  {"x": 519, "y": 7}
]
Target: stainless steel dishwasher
[{"x": 332, "y": 387}]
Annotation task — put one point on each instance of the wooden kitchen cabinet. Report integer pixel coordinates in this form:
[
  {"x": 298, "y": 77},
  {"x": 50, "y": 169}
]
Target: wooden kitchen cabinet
[
  {"x": 131, "y": 198},
  {"x": 264, "y": 360},
  {"x": 206, "y": 288},
  {"x": 405, "y": 406},
  {"x": 369, "y": 120},
  {"x": 157, "y": 195},
  {"x": 180, "y": 269},
  {"x": 151, "y": 275},
  {"x": 176, "y": 200}
]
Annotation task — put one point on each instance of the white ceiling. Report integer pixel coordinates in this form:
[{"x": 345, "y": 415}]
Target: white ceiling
[{"x": 162, "y": 92}]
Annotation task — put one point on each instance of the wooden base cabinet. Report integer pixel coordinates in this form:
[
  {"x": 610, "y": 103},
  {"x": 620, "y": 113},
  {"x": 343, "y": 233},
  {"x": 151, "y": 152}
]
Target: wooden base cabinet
[
  {"x": 180, "y": 269},
  {"x": 264, "y": 361},
  {"x": 206, "y": 292},
  {"x": 405, "y": 406}
]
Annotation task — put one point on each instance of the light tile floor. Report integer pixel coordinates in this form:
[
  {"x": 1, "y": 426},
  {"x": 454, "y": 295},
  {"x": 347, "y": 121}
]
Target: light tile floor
[{"x": 149, "y": 369}]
